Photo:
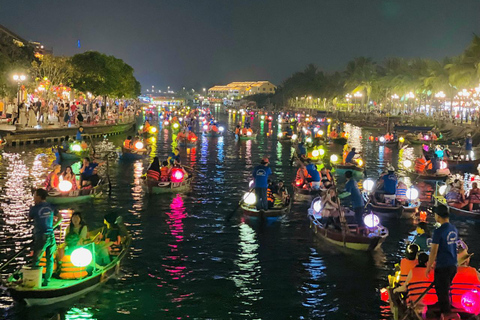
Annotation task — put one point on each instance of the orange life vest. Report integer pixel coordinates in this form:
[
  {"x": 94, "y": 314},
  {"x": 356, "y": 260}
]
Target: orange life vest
[
  {"x": 155, "y": 175},
  {"x": 237, "y": 130},
  {"x": 244, "y": 131},
  {"x": 405, "y": 267},
  {"x": 465, "y": 280},
  {"x": 418, "y": 284},
  {"x": 270, "y": 197},
  {"x": 250, "y": 130},
  {"x": 127, "y": 144},
  {"x": 302, "y": 174},
  {"x": 43, "y": 262},
  {"x": 164, "y": 173},
  {"x": 420, "y": 165},
  {"x": 69, "y": 271},
  {"x": 214, "y": 129}
]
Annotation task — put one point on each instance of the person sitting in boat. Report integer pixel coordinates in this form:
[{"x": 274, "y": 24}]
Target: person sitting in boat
[
  {"x": 127, "y": 144},
  {"x": 84, "y": 144},
  {"x": 302, "y": 175},
  {"x": 53, "y": 179},
  {"x": 473, "y": 196},
  {"x": 282, "y": 192},
  {"x": 181, "y": 135},
  {"x": 416, "y": 282},
  {"x": 439, "y": 152},
  {"x": 165, "y": 172},
  {"x": 456, "y": 196},
  {"x": 270, "y": 196},
  {"x": 434, "y": 136},
  {"x": 343, "y": 134},
  {"x": 423, "y": 238},
  {"x": 401, "y": 193},
  {"x": 214, "y": 128},
  {"x": 87, "y": 169},
  {"x": 466, "y": 279},
  {"x": 108, "y": 242},
  {"x": 153, "y": 172},
  {"x": 421, "y": 164},
  {"x": 67, "y": 270},
  {"x": 409, "y": 261},
  {"x": 65, "y": 144},
  {"x": 333, "y": 134},
  {"x": 419, "y": 136},
  {"x": 238, "y": 127},
  {"x": 313, "y": 175},
  {"x": 289, "y": 131},
  {"x": 302, "y": 151},
  {"x": 77, "y": 227},
  {"x": 330, "y": 212},
  {"x": 191, "y": 136},
  {"x": 350, "y": 156},
  {"x": 70, "y": 176},
  {"x": 174, "y": 157},
  {"x": 146, "y": 126},
  {"x": 92, "y": 180},
  {"x": 326, "y": 178}
]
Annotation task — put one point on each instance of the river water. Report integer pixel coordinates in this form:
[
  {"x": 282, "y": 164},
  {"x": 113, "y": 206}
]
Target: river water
[{"x": 186, "y": 261}]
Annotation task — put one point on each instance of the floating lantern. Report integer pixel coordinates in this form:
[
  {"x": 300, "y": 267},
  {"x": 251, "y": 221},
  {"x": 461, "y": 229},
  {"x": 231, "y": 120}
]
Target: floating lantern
[
  {"x": 294, "y": 137},
  {"x": 205, "y": 127},
  {"x": 249, "y": 133},
  {"x": 309, "y": 140}
]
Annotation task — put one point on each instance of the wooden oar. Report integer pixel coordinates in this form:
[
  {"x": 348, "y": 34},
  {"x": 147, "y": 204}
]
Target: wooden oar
[
  {"x": 193, "y": 170},
  {"x": 91, "y": 141},
  {"x": 15, "y": 255}
]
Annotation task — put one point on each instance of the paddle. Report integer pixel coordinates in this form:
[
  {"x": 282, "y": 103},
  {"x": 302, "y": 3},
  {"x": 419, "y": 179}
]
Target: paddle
[
  {"x": 15, "y": 255},
  {"x": 194, "y": 170},
  {"x": 230, "y": 215},
  {"x": 93, "y": 147}
]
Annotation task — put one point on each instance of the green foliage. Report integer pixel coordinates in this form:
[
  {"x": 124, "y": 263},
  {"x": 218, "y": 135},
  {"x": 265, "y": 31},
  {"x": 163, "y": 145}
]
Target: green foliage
[{"x": 57, "y": 70}]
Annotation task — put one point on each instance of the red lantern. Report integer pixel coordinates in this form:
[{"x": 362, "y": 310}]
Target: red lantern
[
  {"x": 384, "y": 295},
  {"x": 298, "y": 183},
  {"x": 177, "y": 175}
]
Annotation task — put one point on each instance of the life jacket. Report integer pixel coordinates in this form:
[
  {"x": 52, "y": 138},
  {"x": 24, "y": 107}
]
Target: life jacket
[
  {"x": 326, "y": 176},
  {"x": 343, "y": 135},
  {"x": 418, "y": 284},
  {"x": 181, "y": 135},
  {"x": 70, "y": 271},
  {"x": 244, "y": 131},
  {"x": 164, "y": 173},
  {"x": 192, "y": 136},
  {"x": 420, "y": 165},
  {"x": 127, "y": 144},
  {"x": 152, "y": 174},
  {"x": 270, "y": 197},
  {"x": 405, "y": 267},
  {"x": 302, "y": 174},
  {"x": 250, "y": 130},
  {"x": 333, "y": 134},
  {"x": 43, "y": 262},
  {"x": 465, "y": 280},
  {"x": 214, "y": 129},
  {"x": 237, "y": 130}
]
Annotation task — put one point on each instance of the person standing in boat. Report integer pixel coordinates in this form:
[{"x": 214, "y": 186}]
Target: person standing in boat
[
  {"x": 358, "y": 203},
  {"x": 443, "y": 254},
  {"x": 260, "y": 175},
  {"x": 468, "y": 147},
  {"x": 350, "y": 156},
  {"x": 45, "y": 220},
  {"x": 390, "y": 181}
]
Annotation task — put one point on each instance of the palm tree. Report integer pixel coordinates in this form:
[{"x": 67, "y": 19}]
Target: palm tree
[
  {"x": 360, "y": 74},
  {"x": 464, "y": 71}
]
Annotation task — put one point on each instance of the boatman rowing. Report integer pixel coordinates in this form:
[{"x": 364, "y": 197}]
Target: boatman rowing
[{"x": 260, "y": 176}]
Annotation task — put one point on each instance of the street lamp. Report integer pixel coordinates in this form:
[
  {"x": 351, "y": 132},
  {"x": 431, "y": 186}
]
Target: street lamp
[
  {"x": 19, "y": 78},
  {"x": 357, "y": 95}
]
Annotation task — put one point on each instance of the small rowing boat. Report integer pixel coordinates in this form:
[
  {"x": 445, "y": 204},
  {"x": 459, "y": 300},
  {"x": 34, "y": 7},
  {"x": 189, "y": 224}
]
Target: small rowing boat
[
  {"x": 347, "y": 167},
  {"x": 463, "y": 165},
  {"x": 247, "y": 137},
  {"x": 340, "y": 141},
  {"x": 456, "y": 212},
  {"x": 212, "y": 134},
  {"x": 279, "y": 209},
  {"x": 158, "y": 187},
  {"x": 304, "y": 194},
  {"x": 80, "y": 195},
  {"x": 352, "y": 237},
  {"x": 132, "y": 154},
  {"x": 431, "y": 176},
  {"x": 59, "y": 290}
]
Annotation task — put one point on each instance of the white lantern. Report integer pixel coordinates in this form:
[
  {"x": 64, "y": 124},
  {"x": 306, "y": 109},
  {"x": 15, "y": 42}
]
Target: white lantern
[
  {"x": 371, "y": 220},
  {"x": 412, "y": 194},
  {"x": 368, "y": 185}
]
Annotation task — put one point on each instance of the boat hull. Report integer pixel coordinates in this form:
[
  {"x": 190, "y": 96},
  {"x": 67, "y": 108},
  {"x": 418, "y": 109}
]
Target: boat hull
[
  {"x": 271, "y": 213},
  {"x": 158, "y": 187},
  {"x": 75, "y": 195}
]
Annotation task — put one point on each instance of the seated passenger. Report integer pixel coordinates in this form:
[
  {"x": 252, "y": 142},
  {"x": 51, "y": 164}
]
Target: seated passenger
[
  {"x": 181, "y": 135},
  {"x": 330, "y": 212},
  {"x": 473, "y": 196},
  {"x": 191, "y": 136},
  {"x": 92, "y": 181},
  {"x": 70, "y": 176},
  {"x": 108, "y": 242},
  {"x": 127, "y": 144},
  {"x": 67, "y": 269},
  {"x": 410, "y": 261},
  {"x": 456, "y": 196},
  {"x": 153, "y": 172},
  {"x": 302, "y": 174},
  {"x": 326, "y": 176},
  {"x": 165, "y": 172},
  {"x": 423, "y": 237},
  {"x": 244, "y": 131},
  {"x": 466, "y": 279},
  {"x": 52, "y": 181}
]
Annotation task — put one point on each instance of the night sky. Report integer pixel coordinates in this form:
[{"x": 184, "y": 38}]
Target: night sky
[{"x": 197, "y": 43}]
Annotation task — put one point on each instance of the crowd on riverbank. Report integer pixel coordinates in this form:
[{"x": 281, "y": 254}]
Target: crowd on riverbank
[{"x": 62, "y": 113}]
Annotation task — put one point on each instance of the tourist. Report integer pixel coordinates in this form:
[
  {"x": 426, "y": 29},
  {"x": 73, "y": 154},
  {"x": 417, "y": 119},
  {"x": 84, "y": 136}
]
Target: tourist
[
  {"x": 390, "y": 181},
  {"x": 153, "y": 172},
  {"x": 330, "y": 212},
  {"x": 409, "y": 261},
  {"x": 302, "y": 175},
  {"x": 260, "y": 175},
  {"x": 326, "y": 178},
  {"x": 68, "y": 175},
  {"x": 92, "y": 181},
  {"x": 466, "y": 279},
  {"x": 32, "y": 117},
  {"x": 174, "y": 157},
  {"x": 78, "y": 137},
  {"x": 358, "y": 203},
  {"x": 423, "y": 239},
  {"x": 108, "y": 241},
  {"x": 79, "y": 227},
  {"x": 45, "y": 220},
  {"x": 165, "y": 171},
  {"x": 350, "y": 156},
  {"x": 444, "y": 254},
  {"x": 456, "y": 195},
  {"x": 53, "y": 179},
  {"x": 473, "y": 196},
  {"x": 468, "y": 147},
  {"x": 127, "y": 144},
  {"x": 87, "y": 170}
]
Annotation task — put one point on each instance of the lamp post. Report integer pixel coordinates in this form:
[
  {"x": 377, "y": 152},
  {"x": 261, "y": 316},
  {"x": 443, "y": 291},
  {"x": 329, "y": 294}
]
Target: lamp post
[
  {"x": 348, "y": 96},
  {"x": 357, "y": 95},
  {"x": 394, "y": 104},
  {"x": 19, "y": 78}
]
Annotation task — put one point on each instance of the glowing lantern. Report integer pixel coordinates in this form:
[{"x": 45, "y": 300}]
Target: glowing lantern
[
  {"x": 317, "y": 206},
  {"x": 65, "y": 186},
  {"x": 471, "y": 301},
  {"x": 401, "y": 139},
  {"x": 309, "y": 140},
  {"x": 442, "y": 189},
  {"x": 262, "y": 117},
  {"x": 177, "y": 175},
  {"x": 381, "y": 139},
  {"x": 322, "y": 152},
  {"x": 279, "y": 120},
  {"x": 139, "y": 145},
  {"x": 371, "y": 220},
  {"x": 166, "y": 123},
  {"x": 423, "y": 216},
  {"x": 315, "y": 153},
  {"x": 221, "y": 129},
  {"x": 368, "y": 185},
  {"x": 384, "y": 295},
  {"x": 205, "y": 127},
  {"x": 443, "y": 165},
  {"x": 76, "y": 148},
  {"x": 407, "y": 163},
  {"x": 292, "y": 120},
  {"x": 153, "y": 129},
  {"x": 333, "y": 158},
  {"x": 412, "y": 194},
  {"x": 81, "y": 257},
  {"x": 280, "y": 135},
  {"x": 360, "y": 162},
  {"x": 249, "y": 133},
  {"x": 320, "y": 132},
  {"x": 426, "y": 137},
  {"x": 250, "y": 198},
  {"x": 176, "y": 125},
  {"x": 298, "y": 183}
]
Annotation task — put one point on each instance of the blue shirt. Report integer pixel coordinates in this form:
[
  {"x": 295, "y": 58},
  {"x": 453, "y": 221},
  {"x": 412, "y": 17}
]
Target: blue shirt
[
  {"x": 468, "y": 144},
  {"x": 42, "y": 215},
  {"x": 79, "y": 136},
  {"x": 260, "y": 174},
  {"x": 313, "y": 172},
  {"x": 390, "y": 183},
  {"x": 357, "y": 199},
  {"x": 88, "y": 171},
  {"x": 446, "y": 237},
  {"x": 302, "y": 149},
  {"x": 350, "y": 156}
]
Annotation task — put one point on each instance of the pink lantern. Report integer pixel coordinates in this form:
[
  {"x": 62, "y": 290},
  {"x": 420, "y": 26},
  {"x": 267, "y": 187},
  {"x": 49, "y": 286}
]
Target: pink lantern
[{"x": 471, "y": 301}]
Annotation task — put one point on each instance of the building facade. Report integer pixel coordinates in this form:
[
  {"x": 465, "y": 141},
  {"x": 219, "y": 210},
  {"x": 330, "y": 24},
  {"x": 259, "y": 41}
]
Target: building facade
[{"x": 239, "y": 90}]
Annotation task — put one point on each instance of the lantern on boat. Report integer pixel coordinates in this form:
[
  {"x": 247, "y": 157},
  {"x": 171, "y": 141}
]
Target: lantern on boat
[
  {"x": 471, "y": 301},
  {"x": 65, "y": 186},
  {"x": 262, "y": 117},
  {"x": 298, "y": 182},
  {"x": 320, "y": 132},
  {"x": 359, "y": 162},
  {"x": 371, "y": 220},
  {"x": 315, "y": 153},
  {"x": 368, "y": 185},
  {"x": 442, "y": 189},
  {"x": 309, "y": 140},
  {"x": 333, "y": 158},
  {"x": 407, "y": 163},
  {"x": 322, "y": 152},
  {"x": 317, "y": 206},
  {"x": 250, "y": 198},
  {"x": 381, "y": 139},
  {"x": 153, "y": 129},
  {"x": 412, "y": 194},
  {"x": 280, "y": 135},
  {"x": 76, "y": 147},
  {"x": 249, "y": 133},
  {"x": 401, "y": 139},
  {"x": 294, "y": 137},
  {"x": 177, "y": 175},
  {"x": 81, "y": 257},
  {"x": 166, "y": 123},
  {"x": 176, "y": 125},
  {"x": 384, "y": 294},
  {"x": 205, "y": 127},
  {"x": 221, "y": 129},
  {"x": 443, "y": 165}
]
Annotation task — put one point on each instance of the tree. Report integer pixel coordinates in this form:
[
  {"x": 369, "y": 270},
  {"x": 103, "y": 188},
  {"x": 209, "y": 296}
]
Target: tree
[
  {"x": 361, "y": 73},
  {"x": 53, "y": 72},
  {"x": 464, "y": 71}
]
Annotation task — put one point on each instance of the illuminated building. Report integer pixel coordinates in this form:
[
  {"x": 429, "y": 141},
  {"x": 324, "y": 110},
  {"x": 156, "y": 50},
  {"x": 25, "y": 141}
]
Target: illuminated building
[{"x": 241, "y": 89}]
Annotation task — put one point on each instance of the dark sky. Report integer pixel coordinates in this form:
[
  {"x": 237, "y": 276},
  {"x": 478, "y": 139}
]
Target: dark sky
[{"x": 202, "y": 42}]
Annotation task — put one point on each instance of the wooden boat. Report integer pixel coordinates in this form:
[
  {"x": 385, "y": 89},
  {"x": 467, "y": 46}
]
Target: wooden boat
[
  {"x": 391, "y": 144},
  {"x": 412, "y": 128},
  {"x": 131, "y": 154},
  {"x": 384, "y": 209},
  {"x": 304, "y": 194},
  {"x": 459, "y": 213},
  {"x": 340, "y": 141},
  {"x": 431, "y": 177},
  {"x": 212, "y": 134},
  {"x": 353, "y": 238},
  {"x": 186, "y": 143},
  {"x": 247, "y": 137},
  {"x": 60, "y": 290},
  {"x": 158, "y": 187},
  {"x": 277, "y": 211},
  {"x": 346, "y": 167},
  {"x": 72, "y": 156},
  {"x": 463, "y": 165},
  {"x": 80, "y": 195}
]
